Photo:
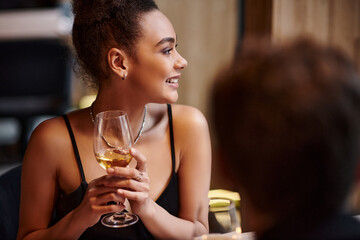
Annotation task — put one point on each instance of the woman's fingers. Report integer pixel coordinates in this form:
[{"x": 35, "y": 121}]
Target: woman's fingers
[
  {"x": 96, "y": 202},
  {"x": 130, "y": 183},
  {"x": 138, "y": 174},
  {"x": 133, "y": 196},
  {"x": 140, "y": 159},
  {"x": 119, "y": 177},
  {"x": 100, "y": 190},
  {"x": 101, "y": 181},
  {"x": 110, "y": 208},
  {"x": 102, "y": 198},
  {"x": 99, "y": 194},
  {"x": 125, "y": 173}
]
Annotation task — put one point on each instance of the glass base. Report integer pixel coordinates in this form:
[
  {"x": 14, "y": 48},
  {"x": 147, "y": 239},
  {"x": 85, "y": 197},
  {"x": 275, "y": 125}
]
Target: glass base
[{"x": 119, "y": 220}]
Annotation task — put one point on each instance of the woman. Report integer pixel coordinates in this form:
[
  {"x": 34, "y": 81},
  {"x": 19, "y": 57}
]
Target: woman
[{"x": 128, "y": 46}]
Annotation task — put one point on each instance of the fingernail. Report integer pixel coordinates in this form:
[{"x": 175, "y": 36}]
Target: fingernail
[
  {"x": 133, "y": 150},
  {"x": 110, "y": 170}
]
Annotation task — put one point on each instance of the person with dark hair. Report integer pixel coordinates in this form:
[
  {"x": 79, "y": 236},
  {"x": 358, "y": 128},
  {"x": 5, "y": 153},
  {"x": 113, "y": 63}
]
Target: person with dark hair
[
  {"x": 128, "y": 49},
  {"x": 287, "y": 119}
]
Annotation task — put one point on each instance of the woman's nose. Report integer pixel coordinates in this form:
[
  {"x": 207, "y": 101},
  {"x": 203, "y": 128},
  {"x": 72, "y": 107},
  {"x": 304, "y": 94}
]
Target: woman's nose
[{"x": 180, "y": 62}]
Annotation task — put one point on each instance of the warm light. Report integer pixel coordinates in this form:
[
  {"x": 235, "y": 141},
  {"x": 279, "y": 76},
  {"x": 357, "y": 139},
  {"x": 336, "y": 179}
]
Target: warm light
[{"x": 86, "y": 101}]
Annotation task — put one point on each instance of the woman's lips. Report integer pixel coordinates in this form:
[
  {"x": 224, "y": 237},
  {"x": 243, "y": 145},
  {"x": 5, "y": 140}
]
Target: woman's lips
[{"x": 173, "y": 82}]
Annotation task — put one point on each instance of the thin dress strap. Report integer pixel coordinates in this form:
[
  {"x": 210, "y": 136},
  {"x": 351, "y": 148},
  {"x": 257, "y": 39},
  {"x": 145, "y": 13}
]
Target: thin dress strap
[
  {"x": 171, "y": 137},
  {"x": 76, "y": 151}
]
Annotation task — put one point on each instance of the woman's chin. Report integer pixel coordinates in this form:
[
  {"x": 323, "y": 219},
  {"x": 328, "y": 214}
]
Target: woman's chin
[
  {"x": 174, "y": 99},
  {"x": 171, "y": 98}
]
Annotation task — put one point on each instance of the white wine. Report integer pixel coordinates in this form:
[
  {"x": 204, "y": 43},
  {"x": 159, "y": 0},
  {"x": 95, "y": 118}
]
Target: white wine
[{"x": 113, "y": 158}]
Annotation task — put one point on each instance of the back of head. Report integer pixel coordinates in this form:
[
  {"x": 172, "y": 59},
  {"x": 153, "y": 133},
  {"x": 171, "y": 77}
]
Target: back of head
[
  {"x": 102, "y": 24},
  {"x": 288, "y": 121}
]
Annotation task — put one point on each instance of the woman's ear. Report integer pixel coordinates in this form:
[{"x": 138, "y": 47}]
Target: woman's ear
[{"x": 118, "y": 62}]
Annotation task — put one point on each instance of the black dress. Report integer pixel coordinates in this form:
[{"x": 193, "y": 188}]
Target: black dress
[{"x": 169, "y": 200}]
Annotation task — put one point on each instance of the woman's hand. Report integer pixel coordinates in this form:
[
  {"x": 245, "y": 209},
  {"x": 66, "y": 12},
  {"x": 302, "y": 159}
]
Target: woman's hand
[
  {"x": 133, "y": 183},
  {"x": 95, "y": 201}
]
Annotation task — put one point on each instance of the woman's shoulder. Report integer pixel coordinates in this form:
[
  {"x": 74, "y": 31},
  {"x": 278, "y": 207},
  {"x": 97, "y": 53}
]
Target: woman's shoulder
[
  {"x": 188, "y": 123},
  {"x": 47, "y": 141},
  {"x": 192, "y": 137},
  {"x": 181, "y": 114},
  {"x": 50, "y": 128},
  {"x": 188, "y": 115},
  {"x": 55, "y": 128}
]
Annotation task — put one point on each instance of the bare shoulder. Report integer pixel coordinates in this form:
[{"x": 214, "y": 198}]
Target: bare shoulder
[
  {"x": 55, "y": 130},
  {"x": 190, "y": 127},
  {"x": 49, "y": 130},
  {"x": 48, "y": 144},
  {"x": 188, "y": 116},
  {"x": 186, "y": 119}
]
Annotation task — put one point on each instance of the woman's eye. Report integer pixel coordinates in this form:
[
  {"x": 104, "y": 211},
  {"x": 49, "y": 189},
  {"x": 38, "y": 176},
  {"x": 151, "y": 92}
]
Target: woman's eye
[{"x": 168, "y": 50}]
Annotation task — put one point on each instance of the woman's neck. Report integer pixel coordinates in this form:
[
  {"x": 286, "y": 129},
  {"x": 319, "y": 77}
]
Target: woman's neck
[{"x": 114, "y": 101}]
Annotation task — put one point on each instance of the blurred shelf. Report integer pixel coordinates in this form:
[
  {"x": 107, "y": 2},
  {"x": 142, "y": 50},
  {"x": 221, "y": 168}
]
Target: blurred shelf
[{"x": 35, "y": 23}]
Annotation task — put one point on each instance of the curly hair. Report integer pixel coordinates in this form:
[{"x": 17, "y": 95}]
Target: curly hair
[
  {"x": 288, "y": 119},
  {"x": 102, "y": 24}
]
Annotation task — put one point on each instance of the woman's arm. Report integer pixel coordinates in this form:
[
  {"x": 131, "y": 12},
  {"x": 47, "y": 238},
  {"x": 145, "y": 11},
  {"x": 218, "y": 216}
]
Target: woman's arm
[
  {"x": 192, "y": 139},
  {"x": 195, "y": 166},
  {"x": 39, "y": 188}
]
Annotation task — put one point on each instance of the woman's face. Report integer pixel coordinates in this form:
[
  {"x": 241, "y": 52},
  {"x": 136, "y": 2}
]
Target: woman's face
[{"x": 156, "y": 70}]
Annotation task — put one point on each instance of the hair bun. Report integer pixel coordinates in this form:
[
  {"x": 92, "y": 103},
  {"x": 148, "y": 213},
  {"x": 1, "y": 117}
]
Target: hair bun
[{"x": 90, "y": 11}]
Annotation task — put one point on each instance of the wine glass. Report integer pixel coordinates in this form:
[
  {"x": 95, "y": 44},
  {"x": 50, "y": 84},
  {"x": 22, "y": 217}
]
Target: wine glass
[
  {"x": 112, "y": 143},
  {"x": 223, "y": 219}
]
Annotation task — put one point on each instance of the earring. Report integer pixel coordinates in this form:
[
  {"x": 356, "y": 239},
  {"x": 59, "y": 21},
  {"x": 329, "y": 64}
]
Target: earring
[{"x": 124, "y": 77}]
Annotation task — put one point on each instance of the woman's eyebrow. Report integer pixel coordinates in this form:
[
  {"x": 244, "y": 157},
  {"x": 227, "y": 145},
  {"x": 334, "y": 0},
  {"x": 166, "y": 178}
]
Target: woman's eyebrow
[{"x": 164, "y": 40}]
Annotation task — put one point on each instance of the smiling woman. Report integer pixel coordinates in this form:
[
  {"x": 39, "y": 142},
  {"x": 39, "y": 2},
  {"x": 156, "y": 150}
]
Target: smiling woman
[
  {"x": 156, "y": 60},
  {"x": 128, "y": 49}
]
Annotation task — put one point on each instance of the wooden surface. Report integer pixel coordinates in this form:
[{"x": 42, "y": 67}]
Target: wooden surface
[
  {"x": 258, "y": 18},
  {"x": 207, "y": 32},
  {"x": 335, "y": 22}
]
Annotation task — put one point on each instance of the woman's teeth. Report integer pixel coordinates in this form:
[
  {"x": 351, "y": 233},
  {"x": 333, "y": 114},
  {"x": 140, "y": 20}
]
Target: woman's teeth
[{"x": 172, "y": 80}]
